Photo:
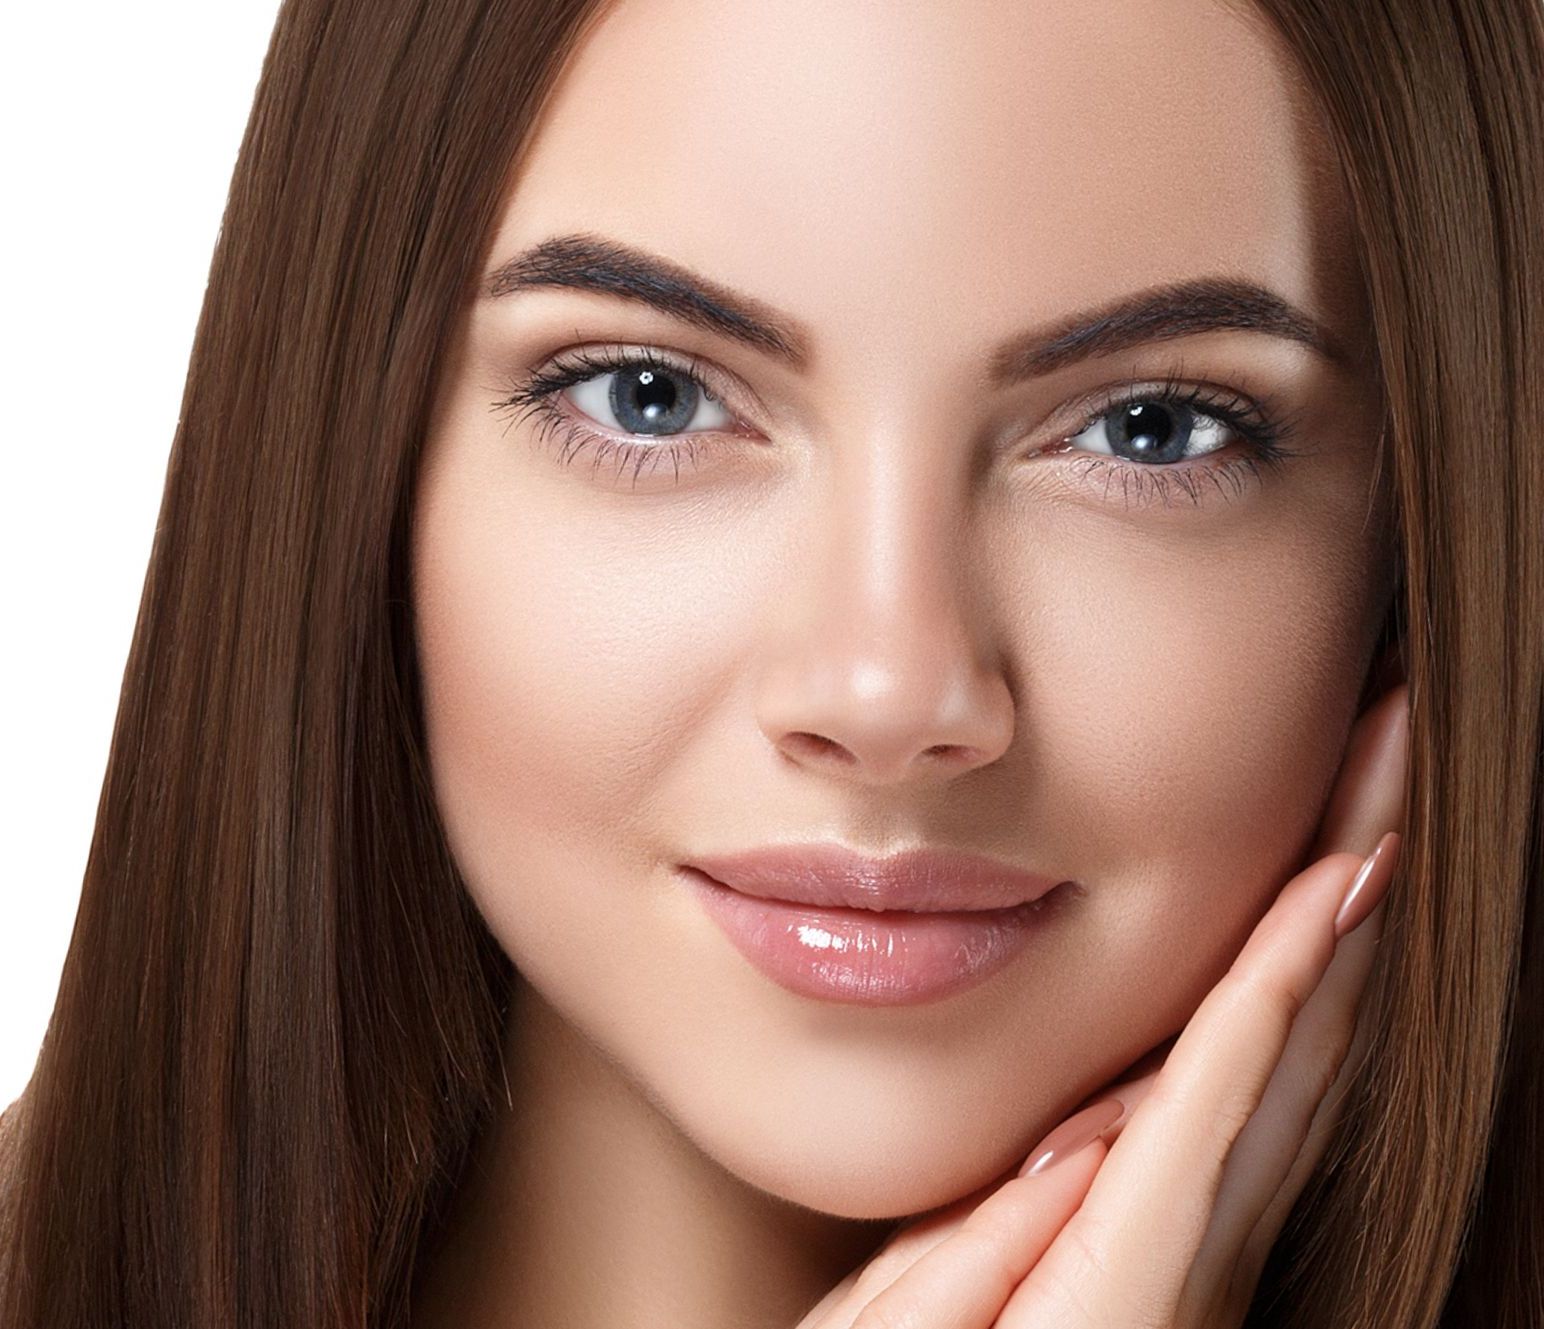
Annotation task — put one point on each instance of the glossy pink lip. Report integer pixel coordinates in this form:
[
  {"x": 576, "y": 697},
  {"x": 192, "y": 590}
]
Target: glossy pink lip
[
  {"x": 922, "y": 880},
  {"x": 826, "y": 922},
  {"x": 873, "y": 957}
]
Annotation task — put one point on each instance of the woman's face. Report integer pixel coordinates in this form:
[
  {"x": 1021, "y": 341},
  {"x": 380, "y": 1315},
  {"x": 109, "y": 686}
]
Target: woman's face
[{"x": 893, "y": 584}]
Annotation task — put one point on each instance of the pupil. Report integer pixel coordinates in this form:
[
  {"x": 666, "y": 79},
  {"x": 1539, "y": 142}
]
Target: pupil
[
  {"x": 649, "y": 401},
  {"x": 655, "y": 399},
  {"x": 1150, "y": 431}
]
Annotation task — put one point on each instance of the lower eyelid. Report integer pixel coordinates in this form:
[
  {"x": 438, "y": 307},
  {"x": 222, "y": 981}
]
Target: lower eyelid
[
  {"x": 572, "y": 437},
  {"x": 1191, "y": 482},
  {"x": 1138, "y": 485}
]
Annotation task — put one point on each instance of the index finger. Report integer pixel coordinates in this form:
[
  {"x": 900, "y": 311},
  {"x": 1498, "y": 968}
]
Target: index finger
[
  {"x": 1343, "y": 825},
  {"x": 1149, "y": 1206}
]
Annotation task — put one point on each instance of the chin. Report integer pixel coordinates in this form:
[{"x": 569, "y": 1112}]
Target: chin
[
  {"x": 881, "y": 1170},
  {"x": 886, "y": 1187}
]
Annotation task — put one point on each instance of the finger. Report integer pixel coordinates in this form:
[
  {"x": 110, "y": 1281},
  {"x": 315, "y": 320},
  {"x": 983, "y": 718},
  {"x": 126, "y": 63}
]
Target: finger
[
  {"x": 906, "y": 1243},
  {"x": 1131, "y": 1244},
  {"x": 1368, "y": 797},
  {"x": 913, "y": 1240},
  {"x": 963, "y": 1281},
  {"x": 1285, "y": 1138},
  {"x": 1361, "y": 949},
  {"x": 1329, "y": 1039},
  {"x": 1125, "y": 1093}
]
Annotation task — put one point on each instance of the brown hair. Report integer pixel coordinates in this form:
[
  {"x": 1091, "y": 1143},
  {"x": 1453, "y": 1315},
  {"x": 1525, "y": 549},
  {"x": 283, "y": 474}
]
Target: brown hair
[{"x": 277, "y": 1031}]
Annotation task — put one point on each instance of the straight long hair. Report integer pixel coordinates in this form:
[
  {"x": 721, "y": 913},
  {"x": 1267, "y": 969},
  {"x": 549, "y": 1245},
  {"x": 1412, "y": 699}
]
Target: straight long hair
[{"x": 277, "y": 1032}]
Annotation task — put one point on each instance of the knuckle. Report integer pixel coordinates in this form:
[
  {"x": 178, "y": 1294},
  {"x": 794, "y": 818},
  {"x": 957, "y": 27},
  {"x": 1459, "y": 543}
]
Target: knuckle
[
  {"x": 1109, "y": 1294},
  {"x": 1102, "y": 1294},
  {"x": 1088, "y": 1246},
  {"x": 880, "y": 1272},
  {"x": 1274, "y": 1000},
  {"x": 887, "y": 1312},
  {"x": 1320, "y": 1066},
  {"x": 1327, "y": 1062},
  {"x": 1077, "y": 1285},
  {"x": 1216, "y": 1124},
  {"x": 989, "y": 1256},
  {"x": 1229, "y": 1116},
  {"x": 1220, "y": 1115}
]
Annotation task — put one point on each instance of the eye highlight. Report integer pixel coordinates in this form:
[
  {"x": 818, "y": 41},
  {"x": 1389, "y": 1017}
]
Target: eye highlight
[{"x": 1156, "y": 440}]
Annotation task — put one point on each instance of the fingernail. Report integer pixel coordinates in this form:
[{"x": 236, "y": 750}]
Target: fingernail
[
  {"x": 1368, "y": 886},
  {"x": 1079, "y": 1131}
]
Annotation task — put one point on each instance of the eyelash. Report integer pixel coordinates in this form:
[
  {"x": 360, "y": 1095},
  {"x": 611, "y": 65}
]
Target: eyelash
[{"x": 1260, "y": 424}]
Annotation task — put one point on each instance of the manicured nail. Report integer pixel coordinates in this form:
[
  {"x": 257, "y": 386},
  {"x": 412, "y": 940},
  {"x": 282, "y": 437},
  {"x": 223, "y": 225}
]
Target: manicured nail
[
  {"x": 1079, "y": 1131},
  {"x": 1368, "y": 886}
]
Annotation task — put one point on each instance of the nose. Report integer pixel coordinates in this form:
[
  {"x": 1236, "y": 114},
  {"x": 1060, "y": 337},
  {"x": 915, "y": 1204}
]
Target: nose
[{"x": 883, "y": 669}]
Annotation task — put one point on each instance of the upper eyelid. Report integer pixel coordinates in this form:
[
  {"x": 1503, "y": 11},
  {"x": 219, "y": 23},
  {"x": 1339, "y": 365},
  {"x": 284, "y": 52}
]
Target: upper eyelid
[
  {"x": 1078, "y": 413},
  {"x": 710, "y": 375},
  {"x": 1257, "y": 416}
]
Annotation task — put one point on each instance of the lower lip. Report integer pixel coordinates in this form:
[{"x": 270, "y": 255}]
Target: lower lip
[{"x": 864, "y": 956}]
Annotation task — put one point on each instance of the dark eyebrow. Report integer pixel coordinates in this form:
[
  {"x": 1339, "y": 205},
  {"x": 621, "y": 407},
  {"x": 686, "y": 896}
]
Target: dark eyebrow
[
  {"x": 1175, "y": 309},
  {"x": 590, "y": 263}
]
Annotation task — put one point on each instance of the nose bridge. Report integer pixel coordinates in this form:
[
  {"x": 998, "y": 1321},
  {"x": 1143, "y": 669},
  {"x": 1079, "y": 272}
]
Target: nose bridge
[
  {"x": 893, "y": 556},
  {"x": 887, "y": 668}
]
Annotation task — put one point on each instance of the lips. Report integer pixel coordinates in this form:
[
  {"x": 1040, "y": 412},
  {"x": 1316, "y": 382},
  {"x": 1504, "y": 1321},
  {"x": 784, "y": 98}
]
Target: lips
[{"x": 920, "y": 880}]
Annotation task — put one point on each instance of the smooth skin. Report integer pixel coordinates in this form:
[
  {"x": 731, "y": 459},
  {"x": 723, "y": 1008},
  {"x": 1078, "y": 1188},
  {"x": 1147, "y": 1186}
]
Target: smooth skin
[
  {"x": 1165, "y": 1219},
  {"x": 888, "y": 598}
]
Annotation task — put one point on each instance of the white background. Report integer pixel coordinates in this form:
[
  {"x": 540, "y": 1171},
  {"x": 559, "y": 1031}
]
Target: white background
[{"x": 119, "y": 125}]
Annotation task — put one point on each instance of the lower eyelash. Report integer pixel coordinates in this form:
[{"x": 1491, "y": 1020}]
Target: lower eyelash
[
  {"x": 1153, "y": 483},
  {"x": 554, "y": 427},
  {"x": 1263, "y": 427}
]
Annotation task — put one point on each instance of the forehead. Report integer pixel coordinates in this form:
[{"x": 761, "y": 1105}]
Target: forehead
[{"x": 958, "y": 166}]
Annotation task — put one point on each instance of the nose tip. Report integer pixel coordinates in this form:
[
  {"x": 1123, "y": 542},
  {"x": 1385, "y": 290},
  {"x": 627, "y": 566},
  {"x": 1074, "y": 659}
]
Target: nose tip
[{"x": 922, "y": 710}]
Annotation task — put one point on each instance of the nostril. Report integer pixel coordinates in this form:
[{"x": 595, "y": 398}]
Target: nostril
[
  {"x": 957, "y": 752},
  {"x": 814, "y": 745}
]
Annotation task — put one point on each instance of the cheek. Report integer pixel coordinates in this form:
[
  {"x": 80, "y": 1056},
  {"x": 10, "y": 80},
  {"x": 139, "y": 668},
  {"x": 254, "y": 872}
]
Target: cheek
[
  {"x": 1187, "y": 709},
  {"x": 561, "y": 677},
  {"x": 1192, "y": 698}
]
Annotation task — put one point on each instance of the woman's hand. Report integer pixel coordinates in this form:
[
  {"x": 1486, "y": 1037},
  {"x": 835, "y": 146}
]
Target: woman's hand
[{"x": 1160, "y": 1199}]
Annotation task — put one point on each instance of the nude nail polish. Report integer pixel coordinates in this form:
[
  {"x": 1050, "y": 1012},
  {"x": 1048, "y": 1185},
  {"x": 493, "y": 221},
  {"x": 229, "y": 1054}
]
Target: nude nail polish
[
  {"x": 1078, "y": 1131},
  {"x": 1368, "y": 886}
]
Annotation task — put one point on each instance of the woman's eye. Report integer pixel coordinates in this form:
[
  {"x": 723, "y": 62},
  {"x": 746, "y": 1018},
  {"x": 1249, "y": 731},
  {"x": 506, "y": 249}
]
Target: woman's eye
[
  {"x": 649, "y": 410},
  {"x": 648, "y": 399},
  {"x": 1153, "y": 431}
]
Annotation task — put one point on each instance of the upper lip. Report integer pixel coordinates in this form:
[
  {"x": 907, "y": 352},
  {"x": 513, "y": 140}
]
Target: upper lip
[{"x": 923, "y": 880}]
